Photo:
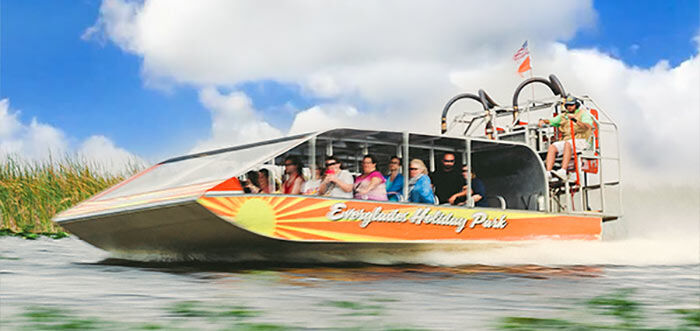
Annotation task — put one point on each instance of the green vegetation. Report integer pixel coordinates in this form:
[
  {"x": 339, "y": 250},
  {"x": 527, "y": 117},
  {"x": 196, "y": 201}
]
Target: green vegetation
[
  {"x": 180, "y": 316},
  {"x": 46, "y": 318},
  {"x": 356, "y": 308},
  {"x": 198, "y": 309},
  {"x": 618, "y": 304},
  {"x": 690, "y": 317},
  {"x": 31, "y": 193},
  {"x": 628, "y": 314}
]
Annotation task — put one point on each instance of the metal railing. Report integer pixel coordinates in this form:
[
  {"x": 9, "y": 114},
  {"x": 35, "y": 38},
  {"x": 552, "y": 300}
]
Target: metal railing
[{"x": 509, "y": 125}]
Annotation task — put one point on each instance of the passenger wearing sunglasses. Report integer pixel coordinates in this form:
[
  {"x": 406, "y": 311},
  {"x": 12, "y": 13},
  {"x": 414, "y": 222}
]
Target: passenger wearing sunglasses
[
  {"x": 295, "y": 179},
  {"x": 336, "y": 182},
  {"x": 419, "y": 188},
  {"x": 447, "y": 180},
  {"x": 394, "y": 180}
]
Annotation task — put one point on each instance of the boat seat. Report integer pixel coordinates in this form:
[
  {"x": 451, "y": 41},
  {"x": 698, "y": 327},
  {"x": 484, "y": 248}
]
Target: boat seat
[
  {"x": 588, "y": 162},
  {"x": 496, "y": 201}
]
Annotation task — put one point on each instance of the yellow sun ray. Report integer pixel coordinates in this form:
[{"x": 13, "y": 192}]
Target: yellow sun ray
[
  {"x": 276, "y": 201},
  {"x": 230, "y": 203},
  {"x": 286, "y": 202},
  {"x": 309, "y": 219},
  {"x": 215, "y": 207},
  {"x": 342, "y": 236},
  {"x": 319, "y": 205},
  {"x": 288, "y": 235}
]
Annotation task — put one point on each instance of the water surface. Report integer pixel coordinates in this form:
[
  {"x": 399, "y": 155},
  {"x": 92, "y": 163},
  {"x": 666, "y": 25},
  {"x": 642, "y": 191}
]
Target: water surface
[{"x": 69, "y": 284}]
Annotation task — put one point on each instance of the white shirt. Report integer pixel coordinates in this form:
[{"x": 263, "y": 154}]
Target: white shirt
[
  {"x": 335, "y": 191},
  {"x": 310, "y": 187}
]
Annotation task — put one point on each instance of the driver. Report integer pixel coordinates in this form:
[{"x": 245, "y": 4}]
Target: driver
[{"x": 583, "y": 127}]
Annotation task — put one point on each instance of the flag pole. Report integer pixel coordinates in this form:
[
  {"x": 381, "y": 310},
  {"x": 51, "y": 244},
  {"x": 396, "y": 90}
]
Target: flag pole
[{"x": 532, "y": 86}]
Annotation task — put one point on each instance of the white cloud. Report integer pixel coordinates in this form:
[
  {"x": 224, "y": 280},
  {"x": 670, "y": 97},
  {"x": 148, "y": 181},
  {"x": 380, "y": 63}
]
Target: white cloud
[
  {"x": 34, "y": 141},
  {"x": 395, "y": 64},
  {"x": 101, "y": 152},
  {"x": 40, "y": 142},
  {"x": 323, "y": 85},
  {"x": 117, "y": 20},
  {"x": 234, "y": 120},
  {"x": 331, "y": 116},
  {"x": 224, "y": 42}
]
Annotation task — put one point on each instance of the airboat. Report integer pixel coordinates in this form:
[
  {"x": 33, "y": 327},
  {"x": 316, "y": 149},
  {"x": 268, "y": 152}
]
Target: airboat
[{"x": 194, "y": 207}]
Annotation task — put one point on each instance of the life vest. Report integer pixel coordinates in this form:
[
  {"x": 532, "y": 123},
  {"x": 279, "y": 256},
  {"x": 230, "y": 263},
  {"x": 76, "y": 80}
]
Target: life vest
[{"x": 580, "y": 131}]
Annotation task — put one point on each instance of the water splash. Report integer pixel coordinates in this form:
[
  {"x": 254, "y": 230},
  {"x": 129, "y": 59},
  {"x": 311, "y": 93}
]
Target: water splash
[{"x": 661, "y": 226}]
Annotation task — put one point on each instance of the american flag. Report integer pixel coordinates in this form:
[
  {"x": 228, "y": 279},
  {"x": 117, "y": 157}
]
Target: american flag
[{"x": 522, "y": 52}]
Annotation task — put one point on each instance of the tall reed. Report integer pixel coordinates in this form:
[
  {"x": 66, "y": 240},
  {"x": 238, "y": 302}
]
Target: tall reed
[{"x": 31, "y": 193}]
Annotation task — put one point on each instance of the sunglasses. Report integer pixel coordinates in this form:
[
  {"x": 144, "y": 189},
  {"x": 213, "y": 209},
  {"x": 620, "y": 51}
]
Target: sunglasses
[
  {"x": 413, "y": 169},
  {"x": 448, "y": 161},
  {"x": 328, "y": 164}
]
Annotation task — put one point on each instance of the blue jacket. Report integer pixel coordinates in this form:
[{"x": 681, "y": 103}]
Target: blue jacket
[
  {"x": 395, "y": 186},
  {"x": 422, "y": 192},
  {"x": 479, "y": 188}
]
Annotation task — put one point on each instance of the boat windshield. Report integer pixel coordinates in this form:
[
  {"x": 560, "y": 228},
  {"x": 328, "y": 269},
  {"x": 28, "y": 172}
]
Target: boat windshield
[{"x": 210, "y": 167}]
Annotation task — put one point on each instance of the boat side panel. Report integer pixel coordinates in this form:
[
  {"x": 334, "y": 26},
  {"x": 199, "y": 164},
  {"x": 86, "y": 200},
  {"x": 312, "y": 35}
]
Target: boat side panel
[
  {"x": 175, "y": 230},
  {"x": 189, "y": 231},
  {"x": 92, "y": 207},
  {"x": 300, "y": 218}
]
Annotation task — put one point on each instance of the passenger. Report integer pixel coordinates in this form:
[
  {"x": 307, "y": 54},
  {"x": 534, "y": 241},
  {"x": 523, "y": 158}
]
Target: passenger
[
  {"x": 447, "y": 180},
  {"x": 251, "y": 184},
  {"x": 336, "y": 182},
  {"x": 419, "y": 188},
  {"x": 478, "y": 191},
  {"x": 370, "y": 185},
  {"x": 583, "y": 127},
  {"x": 295, "y": 179},
  {"x": 394, "y": 180},
  {"x": 264, "y": 181},
  {"x": 311, "y": 186}
]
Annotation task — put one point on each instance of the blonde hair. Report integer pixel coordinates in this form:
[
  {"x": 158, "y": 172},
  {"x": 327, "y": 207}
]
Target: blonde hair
[{"x": 420, "y": 165}]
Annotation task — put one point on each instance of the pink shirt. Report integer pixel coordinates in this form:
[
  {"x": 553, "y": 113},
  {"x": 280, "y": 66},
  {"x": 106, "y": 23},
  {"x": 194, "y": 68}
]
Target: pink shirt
[{"x": 377, "y": 193}]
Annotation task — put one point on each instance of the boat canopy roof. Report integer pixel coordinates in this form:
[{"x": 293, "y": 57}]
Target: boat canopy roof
[{"x": 205, "y": 170}]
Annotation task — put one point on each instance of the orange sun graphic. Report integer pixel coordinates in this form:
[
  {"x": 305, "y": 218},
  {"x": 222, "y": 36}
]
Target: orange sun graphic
[{"x": 292, "y": 218}]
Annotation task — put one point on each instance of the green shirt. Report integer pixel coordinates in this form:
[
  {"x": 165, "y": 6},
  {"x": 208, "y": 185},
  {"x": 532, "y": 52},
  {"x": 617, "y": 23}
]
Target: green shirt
[{"x": 585, "y": 118}]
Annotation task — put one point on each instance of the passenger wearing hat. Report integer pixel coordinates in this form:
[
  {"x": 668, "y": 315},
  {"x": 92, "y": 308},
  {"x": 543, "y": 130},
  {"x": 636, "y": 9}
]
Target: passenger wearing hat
[{"x": 583, "y": 129}]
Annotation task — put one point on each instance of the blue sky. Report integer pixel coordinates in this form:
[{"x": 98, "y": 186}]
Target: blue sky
[
  {"x": 86, "y": 87},
  {"x": 643, "y": 32}
]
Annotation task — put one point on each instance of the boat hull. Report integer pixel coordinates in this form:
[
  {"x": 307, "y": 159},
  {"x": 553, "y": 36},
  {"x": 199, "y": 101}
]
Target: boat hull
[{"x": 315, "y": 229}]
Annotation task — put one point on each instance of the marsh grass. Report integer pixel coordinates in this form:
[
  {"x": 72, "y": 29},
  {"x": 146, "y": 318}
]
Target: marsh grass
[{"x": 31, "y": 193}]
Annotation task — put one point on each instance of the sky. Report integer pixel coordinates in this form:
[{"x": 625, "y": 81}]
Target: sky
[{"x": 116, "y": 80}]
